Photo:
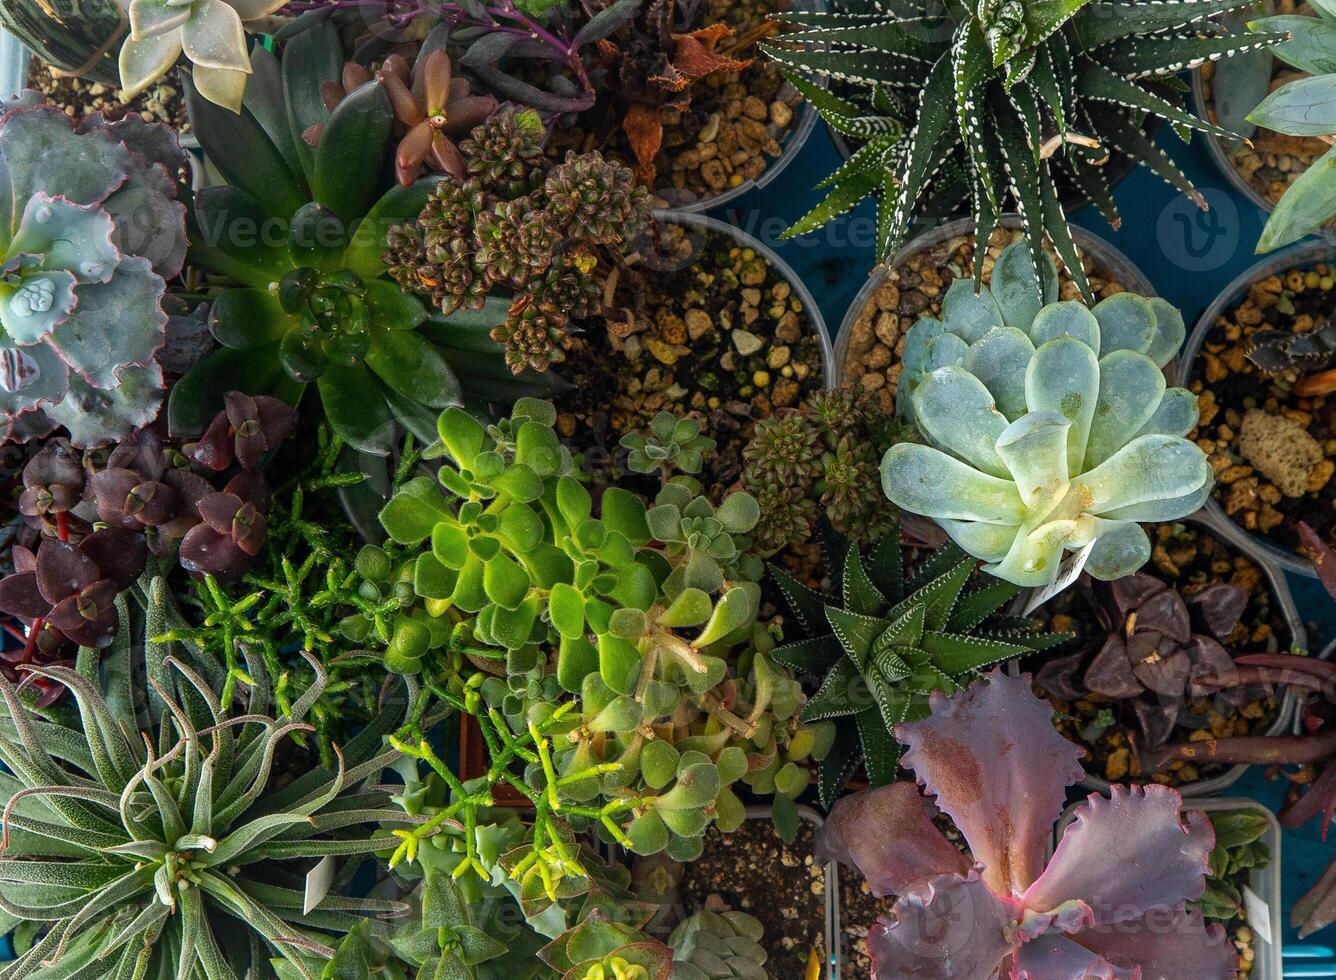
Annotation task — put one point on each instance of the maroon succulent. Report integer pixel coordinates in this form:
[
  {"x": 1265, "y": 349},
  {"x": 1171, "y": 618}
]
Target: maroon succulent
[
  {"x": 246, "y": 429},
  {"x": 1159, "y": 646},
  {"x": 233, "y": 532},
  {"x": 1111, "y": 902},
  {"x": 53, "y": 481},
  {"x": 73, "y": 588},
  {"x": 146, "y": 486}
]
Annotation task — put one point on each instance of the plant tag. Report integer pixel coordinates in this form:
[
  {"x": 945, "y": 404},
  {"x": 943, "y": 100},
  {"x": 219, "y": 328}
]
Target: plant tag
[
  {"x": 1068, "y": 572},
  {"x": 1259, "y": 915},
  {"x": 318, "y": 882}
]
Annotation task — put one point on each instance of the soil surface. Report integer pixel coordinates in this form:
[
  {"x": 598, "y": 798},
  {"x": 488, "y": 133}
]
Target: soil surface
[{"x": 162, "y": 103}]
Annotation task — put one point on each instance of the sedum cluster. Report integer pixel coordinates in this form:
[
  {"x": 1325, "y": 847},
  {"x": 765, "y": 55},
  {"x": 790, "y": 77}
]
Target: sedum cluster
[
  {"x": 90, "y": 230},
  {"x": 1050, "y": 426},
  {"x": 622, "y": 636},
  {"x": 545, "y": 234},
  {"x": 985, "y": 107},
  {"x": 820, "y": 461}
]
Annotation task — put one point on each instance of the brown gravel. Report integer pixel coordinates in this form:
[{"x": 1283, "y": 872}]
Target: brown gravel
[
  {"x": 735, "y": 127},
  {"x": 753, "y": 870},
  {"x": 1274, "y": 453},
  {"x": 914, "y": 290},
  {"x": 721, "y": 336},
  {"x": 162, "y": 103}
]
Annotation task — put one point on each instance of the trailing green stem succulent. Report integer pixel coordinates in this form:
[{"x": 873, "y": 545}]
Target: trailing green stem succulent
[
  {"x": 968, "y": 106},
  {"x": 1301, "y": 107},
  {"x": 1050, "y": 427},
  {"x": 885, "y": 641},
  {"x": 821, "y": 461},
  {"x": 301, "y": 231},
  {"x": 150, "y": 838},
  {"x": 90, "y": 230},
  {"x": 646, "y": 608}
]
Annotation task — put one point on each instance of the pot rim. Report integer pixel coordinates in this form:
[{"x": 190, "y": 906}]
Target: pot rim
[
  {"x": 810, "y": 306},
  {"x": 1286, "y": 715},
  {"x": 1292, "y": 256},
  {"x": 1087, "y": 242}
]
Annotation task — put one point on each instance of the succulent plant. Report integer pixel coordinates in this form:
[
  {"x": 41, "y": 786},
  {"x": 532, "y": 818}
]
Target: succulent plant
[
  {"x": 1239, "y": 848},
  {"x": 821, "y": 459},
  {"x": 1157, "y": 646},
  {"x": 602, "y": 949},
  {"x": 1050, "y": 426},
  {"x": 547, "y": 234},
  {"x": 719, "y": 946},
  {"x": 212, "y": 33},
  {"x": 432, "y": 106},
  {"x": 1306, "y": 205},
  {"x": 89, "y": 232},
  {"x": 883, "y": 643},
  {"x": 312, "y": 302},
  {"x": 969, "y": 105},
  {"x": 647, "y": 609},
  {"x": 1113, "y": 900},
  {"x": 159, "y": 847}
]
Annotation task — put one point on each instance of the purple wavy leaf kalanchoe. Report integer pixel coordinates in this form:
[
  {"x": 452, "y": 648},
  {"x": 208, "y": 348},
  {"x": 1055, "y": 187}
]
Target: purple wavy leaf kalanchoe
[
  {"x": 90, "y": 230},
  {"x": 1110, "y": 904}
]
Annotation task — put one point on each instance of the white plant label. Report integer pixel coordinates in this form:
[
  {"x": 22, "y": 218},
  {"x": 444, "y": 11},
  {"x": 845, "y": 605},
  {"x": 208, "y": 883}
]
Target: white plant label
[
  {"x": 1259, "y": 914},
  {"x": 318, "y": 882},
  {"x": 1068, "y": 572}
]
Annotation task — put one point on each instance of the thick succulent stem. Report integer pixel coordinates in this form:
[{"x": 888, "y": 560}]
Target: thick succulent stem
[{"x": 1249, "y": 750}]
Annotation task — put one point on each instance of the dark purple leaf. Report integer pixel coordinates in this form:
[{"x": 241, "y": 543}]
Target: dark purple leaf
[
  {"x": 1210, "y": 660},
  {"x": 215, "y": 449},
  {"x": 1322, "y": 556},
  {"x": 1128, "y": 594},
  {"x": 120, "y": 555},
  {"x": 62, "y": 570},
  {"x": 218, "y": 509},
  {"x": 1157, "y": 720},
  {"x": 1159, "y": 664},
  {"x": 1058, "y": 676},
  {"x": 204, "y": 551},
  {"x": 55, "y": 464},
  {"x": 277, "y": 417},
  {"x": 1110, "y": 672},
  {"x": 19, "y": 596},
  {"x": 24, "y": 560},
  {"x": 1220, "y": 607},
  {"x": 250, "y": 486},
  {"x": 88, "y": 618},
  {"x": 111, "y": 492},
  {"x": 249, "y": 529},
  {"x": 1167, "y": 613}
]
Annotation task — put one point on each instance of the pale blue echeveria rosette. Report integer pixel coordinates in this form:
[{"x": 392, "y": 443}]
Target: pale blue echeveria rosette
[
  {"x": 90, "y": 229},
  {"x": 1049, "y": 426}
]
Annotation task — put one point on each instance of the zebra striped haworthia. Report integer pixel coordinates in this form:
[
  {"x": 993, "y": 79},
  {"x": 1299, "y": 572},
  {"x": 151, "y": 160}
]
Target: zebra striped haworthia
[{"x": 986, "y": 105}]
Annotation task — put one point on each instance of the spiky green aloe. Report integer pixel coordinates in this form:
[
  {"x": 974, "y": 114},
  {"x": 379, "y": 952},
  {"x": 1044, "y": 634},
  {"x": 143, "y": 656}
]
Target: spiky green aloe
[
  {"x": 161, "y": 849},
  {"x": 884, "y": 641},
  {"x": 967, "y": 105}
]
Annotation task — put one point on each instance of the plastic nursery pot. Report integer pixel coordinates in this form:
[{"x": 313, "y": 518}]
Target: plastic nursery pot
[
  {"x": 1295, "y": 256},
  {"x": 1264, "y": 882},
  {"x": 1286, "y": 716},
  {"x": 1216, "y": 146},
  {"x": 816, "y": 322},
  {"x": 14, "y": 59},
  {"x": 1106, "y": 258},
  {"x": 792, "y": 145}
]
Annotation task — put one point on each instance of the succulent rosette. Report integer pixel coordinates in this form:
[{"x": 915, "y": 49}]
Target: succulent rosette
[
  {"x": 1112, "y": 900},
  {"x": 90, "y": 229},
  {"x": 1050, "y": 426}
]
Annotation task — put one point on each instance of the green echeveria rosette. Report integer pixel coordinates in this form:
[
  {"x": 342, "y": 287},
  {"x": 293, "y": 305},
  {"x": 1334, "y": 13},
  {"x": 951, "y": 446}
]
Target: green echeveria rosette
[
  {"x": 89, "y": 230},
  {"x": 1049, "y": 426},
  {"x": 302, "y": 231}
]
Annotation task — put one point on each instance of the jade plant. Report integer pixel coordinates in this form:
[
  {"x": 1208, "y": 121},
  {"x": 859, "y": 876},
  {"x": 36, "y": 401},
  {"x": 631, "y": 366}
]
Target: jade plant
[
  {"x": 885, "y": 640},
  {"x": 90, "y": 230},
  {"x": 147, "y": 833},
  {"x": 820, "y": 461},
  {"x": 1299, "y": 108},
  {"x": 300, "y": 231},
  {"x": 1115, "y": 899},
  {"x": 646, "y": 609},
  {"x": 521, "y": 237},
  {"x": 971, "y": 107},
  {"x": 1050, "y": 426}
]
